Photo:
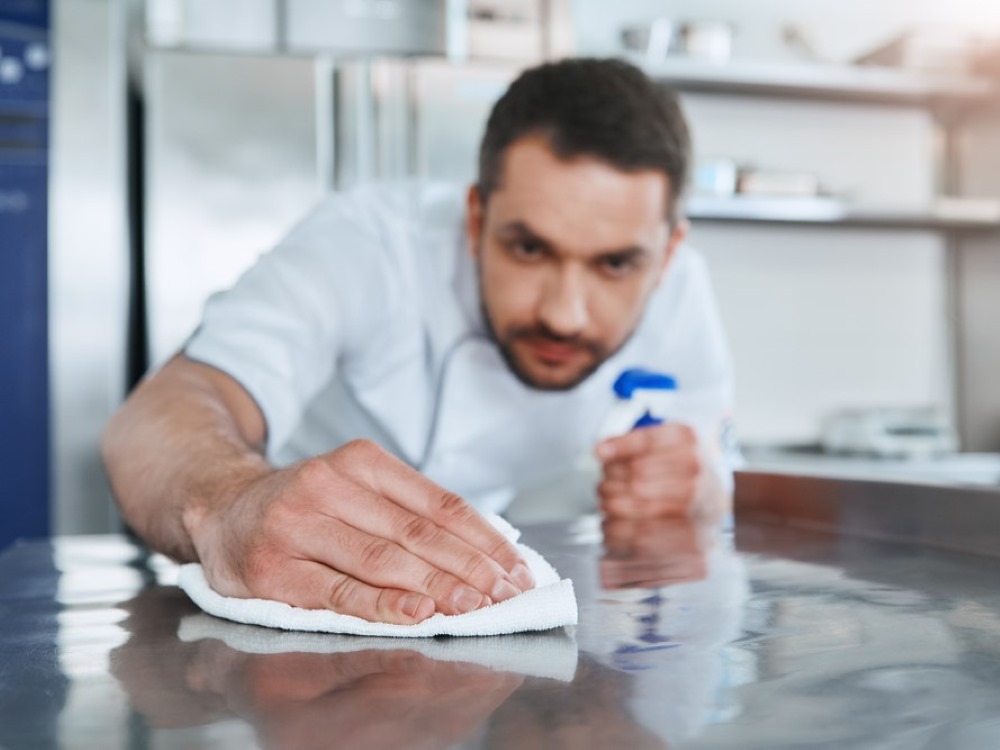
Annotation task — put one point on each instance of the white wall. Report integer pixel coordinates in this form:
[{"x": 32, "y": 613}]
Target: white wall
[{"x": 823, "y": 318}]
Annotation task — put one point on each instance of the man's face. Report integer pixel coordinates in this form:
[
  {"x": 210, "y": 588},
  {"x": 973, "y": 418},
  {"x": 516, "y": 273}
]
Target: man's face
[{"x": 569, "y": 253}]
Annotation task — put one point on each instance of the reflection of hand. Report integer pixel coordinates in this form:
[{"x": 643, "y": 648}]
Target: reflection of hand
[
  {"x": 658, "y": 471},
  {"x": 654, "y": 552},
  {"x": 371, "y": 699},
  {"x": 359, "y": 532}
]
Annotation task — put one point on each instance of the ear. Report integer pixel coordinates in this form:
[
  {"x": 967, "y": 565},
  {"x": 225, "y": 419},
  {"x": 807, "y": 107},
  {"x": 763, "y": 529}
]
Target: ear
[
  {"x": 474, "y": 219},
  {"x": 677, "y": 236}
]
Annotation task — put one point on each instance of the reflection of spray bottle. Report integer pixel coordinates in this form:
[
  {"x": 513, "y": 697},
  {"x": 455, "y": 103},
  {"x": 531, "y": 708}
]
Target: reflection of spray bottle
[{"x": 644, "y": 398}]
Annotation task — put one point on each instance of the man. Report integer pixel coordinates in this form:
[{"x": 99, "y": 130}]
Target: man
[{"x": 395, "y": 357}]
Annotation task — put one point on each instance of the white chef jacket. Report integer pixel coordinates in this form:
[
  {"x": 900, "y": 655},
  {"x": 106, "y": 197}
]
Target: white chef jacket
[{"x": 365, "y": 322}]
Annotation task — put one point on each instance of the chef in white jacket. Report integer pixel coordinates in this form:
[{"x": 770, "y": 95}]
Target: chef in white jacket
[{"x": 412, "y": 353}]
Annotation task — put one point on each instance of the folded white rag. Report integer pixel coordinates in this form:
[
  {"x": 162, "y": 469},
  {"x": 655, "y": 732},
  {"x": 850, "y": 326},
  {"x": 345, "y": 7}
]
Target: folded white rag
[{"x": 551, "y": 604}]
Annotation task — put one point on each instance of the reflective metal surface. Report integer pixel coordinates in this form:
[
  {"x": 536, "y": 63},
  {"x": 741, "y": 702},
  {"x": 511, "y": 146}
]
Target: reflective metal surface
[{"x": 798, "y": 639}]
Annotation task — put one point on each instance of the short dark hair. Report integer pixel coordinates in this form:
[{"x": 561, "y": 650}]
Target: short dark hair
[{"x": 604, "y": 108}]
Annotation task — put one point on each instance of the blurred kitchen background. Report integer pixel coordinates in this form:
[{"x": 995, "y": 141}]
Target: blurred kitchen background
[{"x": 847, "y": 196}]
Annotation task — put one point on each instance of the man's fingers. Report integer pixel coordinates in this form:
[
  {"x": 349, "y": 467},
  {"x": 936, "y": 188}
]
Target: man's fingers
[
  {"x": 619, "y": 471},
  {"x": 646, "y": 440},
  {"x": 441, "y": 549},
  {"x": 651, "y": 491},
  {"x": 310, "y": 585},
  {"x": 392, "y": 478},
  {"x": 677, "y": 465},
  {"x": 383, "y": 564}
]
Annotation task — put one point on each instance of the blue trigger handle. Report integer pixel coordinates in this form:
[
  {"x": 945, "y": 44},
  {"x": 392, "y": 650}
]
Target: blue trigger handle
[{"x": 647, "y": 420}]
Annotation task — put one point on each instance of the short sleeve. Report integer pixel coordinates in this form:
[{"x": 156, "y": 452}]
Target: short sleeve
[{"x": 282, "y": 330}]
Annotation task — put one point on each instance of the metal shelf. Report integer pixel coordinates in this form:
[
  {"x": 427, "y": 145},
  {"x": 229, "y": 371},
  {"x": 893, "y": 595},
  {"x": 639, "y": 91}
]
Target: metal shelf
[
  {"x": 953, "y": 214},
  {"x": 819, "y": 81}
]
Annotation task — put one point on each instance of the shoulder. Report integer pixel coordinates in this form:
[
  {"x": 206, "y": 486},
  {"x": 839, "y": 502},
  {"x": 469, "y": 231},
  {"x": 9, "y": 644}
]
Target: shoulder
[
  {"x": 686, "y": 284},
  {"x": 380, "y": 209},
  {"x": 372, "y": 234}
]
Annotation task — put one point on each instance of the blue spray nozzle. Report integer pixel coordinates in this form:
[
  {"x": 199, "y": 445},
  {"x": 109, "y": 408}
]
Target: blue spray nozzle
[{"x": 634, "y": 380}]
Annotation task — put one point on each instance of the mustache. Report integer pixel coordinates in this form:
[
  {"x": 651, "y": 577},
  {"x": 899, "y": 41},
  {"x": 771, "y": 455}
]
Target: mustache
[{"x": 540, "y": 332}]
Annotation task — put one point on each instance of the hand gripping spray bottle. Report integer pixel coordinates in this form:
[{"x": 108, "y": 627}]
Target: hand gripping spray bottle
[{"x": 643, "y": 398}]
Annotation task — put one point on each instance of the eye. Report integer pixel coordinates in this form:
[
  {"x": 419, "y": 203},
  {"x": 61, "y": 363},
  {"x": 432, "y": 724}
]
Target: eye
[
  {"x": 526, "y": 249},
  {"x": 618, "y": 265}
]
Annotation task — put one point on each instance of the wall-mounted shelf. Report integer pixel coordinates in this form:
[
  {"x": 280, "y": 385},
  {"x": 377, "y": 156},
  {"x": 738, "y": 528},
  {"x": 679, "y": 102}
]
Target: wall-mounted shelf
[
  {"x": 819, "y": 81},
  {"x": 952, "y": 214}
]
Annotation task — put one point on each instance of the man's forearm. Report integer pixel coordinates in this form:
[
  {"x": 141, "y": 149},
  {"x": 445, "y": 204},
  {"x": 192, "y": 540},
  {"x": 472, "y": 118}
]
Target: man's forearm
[{"x": 174, "y": 449}]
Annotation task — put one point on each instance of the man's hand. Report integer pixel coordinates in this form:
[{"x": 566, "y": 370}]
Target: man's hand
[
  {"x": 659, "y": 470},
  {"x": 359, "y": 532}
]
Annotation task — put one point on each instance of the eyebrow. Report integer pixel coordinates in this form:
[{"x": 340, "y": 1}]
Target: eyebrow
[{"x": 522, "y": 230}]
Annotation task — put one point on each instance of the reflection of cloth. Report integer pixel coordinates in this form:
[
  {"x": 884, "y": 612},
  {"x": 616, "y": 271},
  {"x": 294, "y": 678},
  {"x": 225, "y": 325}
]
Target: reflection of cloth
[
  {"x": 551, "y": 604},
  {"x": 551, "y": 655},
  {"x": 366, "y": 323}
]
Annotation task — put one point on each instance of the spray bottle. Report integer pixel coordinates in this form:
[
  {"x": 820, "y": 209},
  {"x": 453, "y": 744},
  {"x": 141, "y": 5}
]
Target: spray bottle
[{"x": 643, "y": 398}]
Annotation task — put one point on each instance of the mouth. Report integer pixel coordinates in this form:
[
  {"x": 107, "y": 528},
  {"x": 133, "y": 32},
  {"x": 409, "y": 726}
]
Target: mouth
[{"x": 554, "y": 353}]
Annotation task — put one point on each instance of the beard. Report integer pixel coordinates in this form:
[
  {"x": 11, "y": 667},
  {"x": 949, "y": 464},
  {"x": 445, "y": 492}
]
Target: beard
[{"x": 505, "y": 341}]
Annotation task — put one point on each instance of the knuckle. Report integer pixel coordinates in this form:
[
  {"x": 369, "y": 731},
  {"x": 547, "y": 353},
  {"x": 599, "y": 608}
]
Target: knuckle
[
  {"x": 312, "y": 476},
  {"x": 363, "y": 445},
  {"x": 376, "y": 556},
  {"x": 362, "y": 449},
  {"x": 342, "y": 594},
  {"x": 453, "y": 509},
  {"x": 258, "y": 567},
  {"x": 386, "y": 604},
  {"x": 437, "y": 582},
  {"x": 480, "y": 562},
  {"x": 283, "y": 513},
  {"x": 420, "y": 532}
]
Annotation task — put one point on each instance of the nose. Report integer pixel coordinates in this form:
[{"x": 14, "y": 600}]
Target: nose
[{"x": 563, "y": 307}]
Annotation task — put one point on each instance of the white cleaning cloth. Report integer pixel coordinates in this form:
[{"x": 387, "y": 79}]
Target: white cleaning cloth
[
  {"x": 552, "y": 655},
  {"x": 551, "y": 604}
]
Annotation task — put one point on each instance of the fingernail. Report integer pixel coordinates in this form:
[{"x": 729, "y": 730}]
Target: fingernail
[
  {"x": 466, "y": 600},
  {"x": 522, "y": 577},
  {"x": 605, "y": 450},
  {"x": 504, "y": 590},
  {"x": 411, "y": 604}
]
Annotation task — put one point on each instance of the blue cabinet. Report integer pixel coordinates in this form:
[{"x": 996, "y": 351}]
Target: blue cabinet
[{"x": 24, "y": 370}]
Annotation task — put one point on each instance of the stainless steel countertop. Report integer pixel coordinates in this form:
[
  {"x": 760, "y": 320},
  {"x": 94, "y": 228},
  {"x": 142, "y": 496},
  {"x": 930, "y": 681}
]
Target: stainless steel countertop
[{"x": 799, "y": 639}]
